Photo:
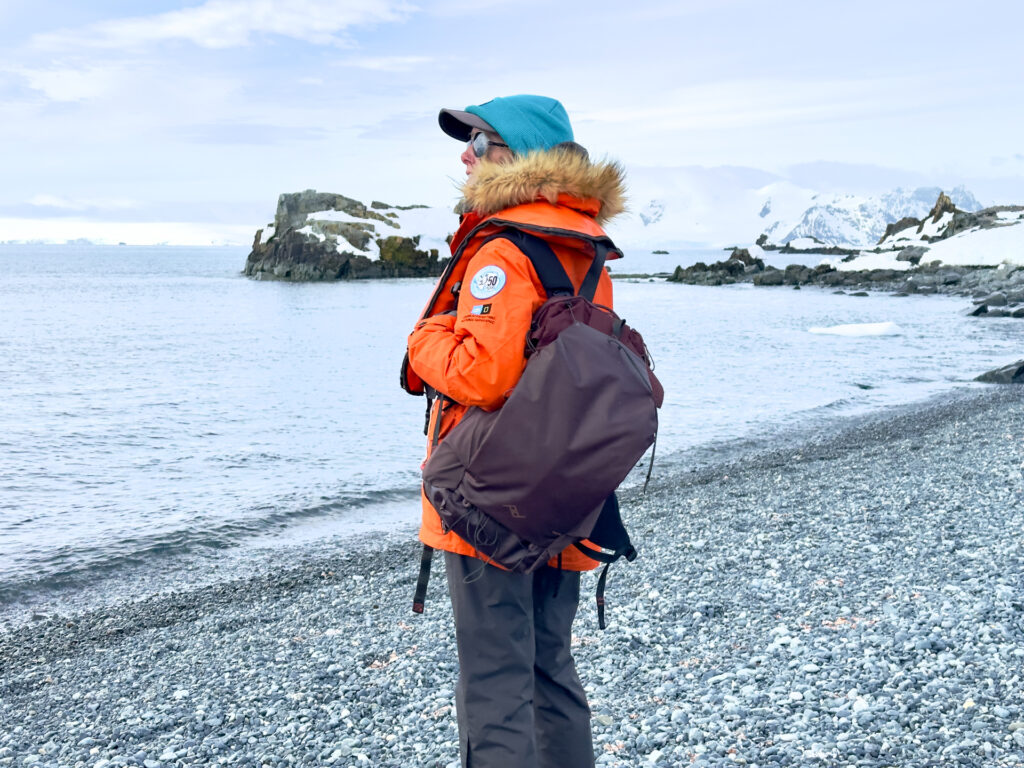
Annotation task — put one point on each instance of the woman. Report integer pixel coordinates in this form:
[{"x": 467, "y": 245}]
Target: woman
[{"x": 519, "y": 700}]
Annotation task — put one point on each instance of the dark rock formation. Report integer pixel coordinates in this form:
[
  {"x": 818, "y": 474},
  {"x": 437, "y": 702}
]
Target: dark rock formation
[
  {"x": 825, "y": 250},
  {"x": 1010, "y": 374},
  {"x": 770, "y": 277},
  {"x": 997, "y": 299},
  {"x": 294, "y": 208},
  {"x": 942, "y": 205},
  {"x": 898, "y": 226},
  {"x": 742, "y": 267},
  {"x": 987, "y": 218},
  {"x": 743, "y": 255},
  {"x": 1005, "y": 302},
  {"x": 795, "y": 274},
  {"x": 304, "y": 249},
  {"x": 738, "y": 266}
]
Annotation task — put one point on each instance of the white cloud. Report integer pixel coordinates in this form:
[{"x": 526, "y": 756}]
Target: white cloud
[
  {"x": 450, "y": 8},
  {"x": 756, "y": 102},
  {"x": 80, "y": 204},
  {"x": 232, "y": 23},
  {"x": 387, "y": 63},
  {"x": 68, "y": 84}
]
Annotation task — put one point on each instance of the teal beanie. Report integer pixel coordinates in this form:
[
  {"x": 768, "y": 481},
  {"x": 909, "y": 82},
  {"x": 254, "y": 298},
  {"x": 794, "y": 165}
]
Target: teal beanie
[{"x": 526, "y": 122}]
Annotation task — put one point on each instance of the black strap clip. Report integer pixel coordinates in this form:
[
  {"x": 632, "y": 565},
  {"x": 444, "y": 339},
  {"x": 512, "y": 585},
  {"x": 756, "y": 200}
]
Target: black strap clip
[{"x": 420, "y": 598}]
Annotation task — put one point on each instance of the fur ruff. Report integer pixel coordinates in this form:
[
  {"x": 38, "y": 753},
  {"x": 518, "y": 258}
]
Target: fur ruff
[{"x": 544, "y": 176}]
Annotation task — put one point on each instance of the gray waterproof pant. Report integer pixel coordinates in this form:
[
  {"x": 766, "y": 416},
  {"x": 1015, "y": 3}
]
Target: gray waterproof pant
[{"x": 519, "y": 700}]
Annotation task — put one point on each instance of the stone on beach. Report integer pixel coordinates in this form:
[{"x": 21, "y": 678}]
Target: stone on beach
[{"x": 1008, "y": 374}]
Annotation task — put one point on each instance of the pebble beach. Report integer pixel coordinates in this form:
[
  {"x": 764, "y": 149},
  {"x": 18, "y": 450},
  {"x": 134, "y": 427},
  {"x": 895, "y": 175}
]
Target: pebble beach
[{"x": 847, "y": 595}]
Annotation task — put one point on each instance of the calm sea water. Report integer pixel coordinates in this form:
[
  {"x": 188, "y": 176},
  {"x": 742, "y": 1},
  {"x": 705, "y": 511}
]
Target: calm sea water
[{"x": 154, "y": 403}]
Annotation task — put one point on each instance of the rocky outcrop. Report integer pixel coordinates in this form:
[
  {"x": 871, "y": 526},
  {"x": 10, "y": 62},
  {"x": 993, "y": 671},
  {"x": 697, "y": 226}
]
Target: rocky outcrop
[
  {"x": 796, "y": 275},
  {"x": 319, "y": 236},
  {"x": 1006, "y": 301},
  {"x": 824, "y": 250},
  {"x": 942, "y": 205},
  {"x": 987, "y": 218},
  {"x": 997, "y": 291},
  {"x": 738, "y": 266},
  {"x": 898, "y": 226},
  {"x": 820, "y": 249},
  {"x": 909, "y": 229},
  {"x": 1009, "y": 374}
]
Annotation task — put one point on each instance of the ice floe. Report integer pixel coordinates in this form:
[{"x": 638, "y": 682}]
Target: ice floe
[{"x": 860, "y": 329}]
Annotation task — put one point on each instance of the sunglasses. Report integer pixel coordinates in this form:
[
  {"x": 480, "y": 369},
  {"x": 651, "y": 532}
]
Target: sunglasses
[{"x": 480, "y": 144}]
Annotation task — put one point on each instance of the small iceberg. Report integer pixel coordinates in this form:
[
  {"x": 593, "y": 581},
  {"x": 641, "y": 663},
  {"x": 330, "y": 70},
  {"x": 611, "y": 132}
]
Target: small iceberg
[{"x": 861, "y": 329}]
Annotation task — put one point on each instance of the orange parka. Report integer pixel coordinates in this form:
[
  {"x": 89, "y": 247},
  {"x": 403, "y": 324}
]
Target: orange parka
[{"x": 470, "y": 343}]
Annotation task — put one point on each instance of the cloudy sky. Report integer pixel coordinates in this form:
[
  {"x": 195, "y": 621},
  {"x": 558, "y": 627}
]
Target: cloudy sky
[{"x": 167, "y": 117}]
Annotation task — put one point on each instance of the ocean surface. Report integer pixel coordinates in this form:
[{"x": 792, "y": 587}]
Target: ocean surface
[{"x": 156, "y": 405}]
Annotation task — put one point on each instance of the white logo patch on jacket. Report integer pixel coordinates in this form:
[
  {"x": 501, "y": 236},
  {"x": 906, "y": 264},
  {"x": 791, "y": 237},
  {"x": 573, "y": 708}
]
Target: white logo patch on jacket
[{"x": 487, "y": 282}]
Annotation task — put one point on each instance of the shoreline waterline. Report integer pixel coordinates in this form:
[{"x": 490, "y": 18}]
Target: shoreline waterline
[
  {"x": 158, "y": 405},
  {"x": 393, "y": 517}
]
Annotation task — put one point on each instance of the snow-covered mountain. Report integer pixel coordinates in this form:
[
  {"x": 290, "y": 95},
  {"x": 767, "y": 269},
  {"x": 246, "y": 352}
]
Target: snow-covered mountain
[
  {"x": 697, "y": 207},
  {"x": 691, "y": 207},
  {"x": 850, "y": 220}
]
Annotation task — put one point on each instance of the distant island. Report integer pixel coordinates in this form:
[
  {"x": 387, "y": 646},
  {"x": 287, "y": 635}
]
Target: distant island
[{"x": 322, "y": 236}]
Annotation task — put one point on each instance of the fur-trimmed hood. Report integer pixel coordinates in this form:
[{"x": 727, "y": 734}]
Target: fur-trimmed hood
[{"x": 544, "y": 176}]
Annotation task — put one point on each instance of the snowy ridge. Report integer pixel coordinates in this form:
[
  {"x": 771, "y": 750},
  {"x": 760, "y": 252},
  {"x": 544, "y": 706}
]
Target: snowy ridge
[{"x": 983, "y": 245}]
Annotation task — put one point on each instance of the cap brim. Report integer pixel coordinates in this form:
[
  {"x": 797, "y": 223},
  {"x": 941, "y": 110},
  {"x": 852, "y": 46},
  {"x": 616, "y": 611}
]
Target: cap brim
[{"x": 459, "y": 125}]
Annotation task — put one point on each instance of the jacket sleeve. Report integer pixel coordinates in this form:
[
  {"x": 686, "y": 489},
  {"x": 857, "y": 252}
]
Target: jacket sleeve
[{"x": 476, "y": 357}]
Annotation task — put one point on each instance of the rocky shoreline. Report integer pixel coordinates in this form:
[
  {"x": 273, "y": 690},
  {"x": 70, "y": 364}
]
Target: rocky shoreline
[
  {"x": 846, "y": 595},
  {"x": 996, "y": 291}
]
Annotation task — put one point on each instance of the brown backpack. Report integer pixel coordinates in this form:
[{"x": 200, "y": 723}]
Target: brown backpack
[{"x": 522, "y": 483}]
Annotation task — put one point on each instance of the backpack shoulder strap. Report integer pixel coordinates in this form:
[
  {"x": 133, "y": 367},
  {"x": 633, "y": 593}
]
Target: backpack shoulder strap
[
  {"x": 549, "y": 269},
  {"x": 589, "y": 287}
]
